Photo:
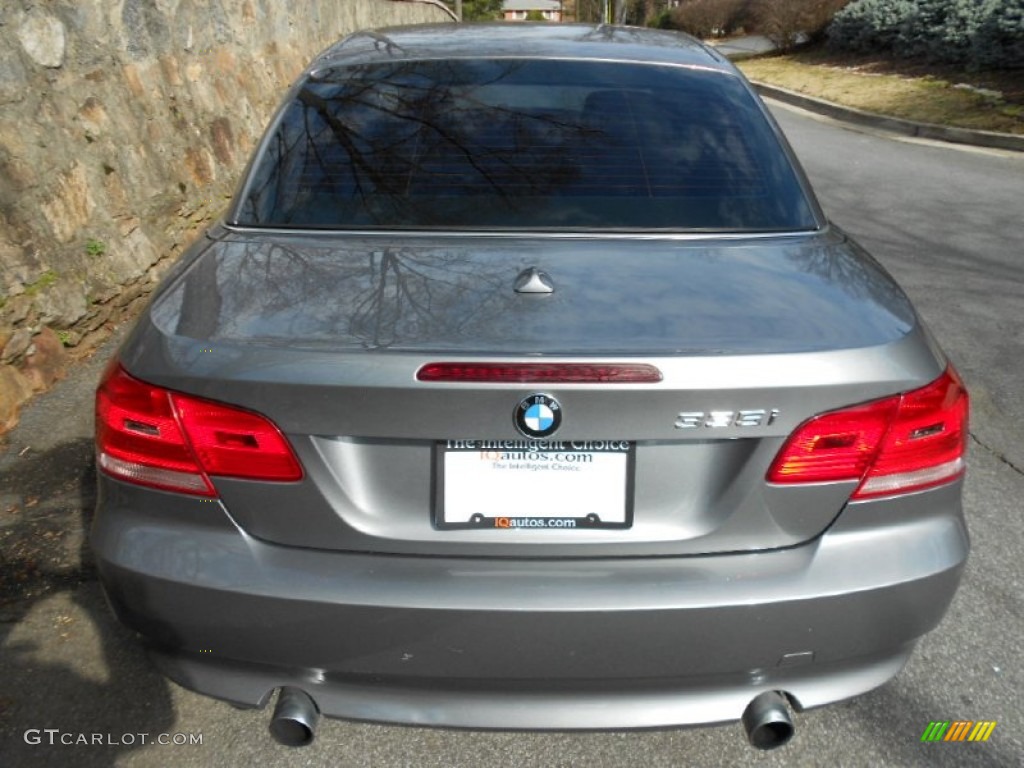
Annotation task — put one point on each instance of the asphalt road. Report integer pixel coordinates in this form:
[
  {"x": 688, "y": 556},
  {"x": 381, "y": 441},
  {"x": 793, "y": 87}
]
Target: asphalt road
[
  {"x": 743, "y": 46},
  {"x": 948, "y": 222}
]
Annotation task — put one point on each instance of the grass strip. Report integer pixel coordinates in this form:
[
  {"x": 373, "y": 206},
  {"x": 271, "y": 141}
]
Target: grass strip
[{"x": 944, "y": 100}]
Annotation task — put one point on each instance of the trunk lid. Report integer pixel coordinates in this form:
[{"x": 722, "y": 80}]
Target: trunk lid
[{"x": 324, "y": 334}]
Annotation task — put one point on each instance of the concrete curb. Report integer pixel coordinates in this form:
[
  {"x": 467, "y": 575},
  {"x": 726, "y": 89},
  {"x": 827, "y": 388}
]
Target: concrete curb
[{"x": 894, "y": 124}]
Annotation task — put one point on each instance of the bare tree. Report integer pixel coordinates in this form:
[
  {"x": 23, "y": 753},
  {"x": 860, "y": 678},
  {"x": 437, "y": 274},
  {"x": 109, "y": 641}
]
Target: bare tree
[{"x": 788, "y": 22}]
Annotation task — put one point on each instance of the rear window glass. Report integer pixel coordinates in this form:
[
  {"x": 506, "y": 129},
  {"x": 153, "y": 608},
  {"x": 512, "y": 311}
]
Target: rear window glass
[{"x": 522, "y": 144}]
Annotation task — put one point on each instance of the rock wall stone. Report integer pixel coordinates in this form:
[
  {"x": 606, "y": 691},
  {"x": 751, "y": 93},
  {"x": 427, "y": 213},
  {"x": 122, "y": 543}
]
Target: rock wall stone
[{"x": 123, "y": 127}]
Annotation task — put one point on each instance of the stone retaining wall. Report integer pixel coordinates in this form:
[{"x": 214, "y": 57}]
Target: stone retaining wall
[{"x": 123, "y": 127}]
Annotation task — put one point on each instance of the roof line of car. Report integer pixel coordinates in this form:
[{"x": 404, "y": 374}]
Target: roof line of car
[
  {"x": 387, "y": 48},
  {"x": 538, "y": 233},
  {"x": 330, "y": 62}
]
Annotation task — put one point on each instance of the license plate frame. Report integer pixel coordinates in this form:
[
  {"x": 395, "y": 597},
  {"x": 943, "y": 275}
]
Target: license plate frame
[{"x": 534, "y": 484}]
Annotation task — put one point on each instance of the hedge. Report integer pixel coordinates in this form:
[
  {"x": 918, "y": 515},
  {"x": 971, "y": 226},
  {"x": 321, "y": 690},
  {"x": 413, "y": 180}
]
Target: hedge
[{"x": 973, "y": 33}]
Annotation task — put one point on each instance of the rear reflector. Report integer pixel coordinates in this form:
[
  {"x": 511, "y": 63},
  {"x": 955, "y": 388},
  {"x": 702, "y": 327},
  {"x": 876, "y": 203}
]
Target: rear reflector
[
  {"x": 897, "y": 445},
  {"x": 151, "y": 436},
  {"x": 540, "y": 373}
]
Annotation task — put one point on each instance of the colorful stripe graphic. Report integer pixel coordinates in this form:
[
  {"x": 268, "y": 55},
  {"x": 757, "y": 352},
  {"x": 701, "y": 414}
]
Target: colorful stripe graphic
[
  {"x": 982, "y": 730},
  {"x": 958, "y": 730}
]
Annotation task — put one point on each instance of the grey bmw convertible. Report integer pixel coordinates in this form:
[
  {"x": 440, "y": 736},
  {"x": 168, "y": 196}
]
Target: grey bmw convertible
[{"x": 525, "y": 385}]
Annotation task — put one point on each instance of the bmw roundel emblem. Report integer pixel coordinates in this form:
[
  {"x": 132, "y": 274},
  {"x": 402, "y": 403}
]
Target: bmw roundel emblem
[{"x": 538, "y": 415}]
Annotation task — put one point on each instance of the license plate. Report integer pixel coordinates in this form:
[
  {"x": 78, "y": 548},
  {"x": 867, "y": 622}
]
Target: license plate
[{"x": 534, "y": 484}]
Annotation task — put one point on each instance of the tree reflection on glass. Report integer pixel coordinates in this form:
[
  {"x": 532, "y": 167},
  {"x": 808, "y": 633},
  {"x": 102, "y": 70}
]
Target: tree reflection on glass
[{"x": 470, "y": 143}]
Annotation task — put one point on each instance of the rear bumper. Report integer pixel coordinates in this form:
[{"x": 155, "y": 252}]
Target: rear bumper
[{"x": 610, "y": 643}]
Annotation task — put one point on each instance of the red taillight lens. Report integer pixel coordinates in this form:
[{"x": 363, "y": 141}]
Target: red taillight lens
[
  {"x": 233, "y": 443},
  {"x": 834, "y": 446},
  {"x": 150, "y": 436},
  {"x": 541, "y": 373},
  {"x": 926, "y": 443},
  {"x": 900, "y": 444}
]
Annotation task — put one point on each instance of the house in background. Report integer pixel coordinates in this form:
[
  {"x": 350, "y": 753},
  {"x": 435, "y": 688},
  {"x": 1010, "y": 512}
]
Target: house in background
[{"x": 519, "y": 10}]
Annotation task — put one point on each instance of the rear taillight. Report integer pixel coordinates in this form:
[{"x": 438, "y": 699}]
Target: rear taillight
[
  {"x": 897, "y": 445},
  {"x": 152, "y": 436}
]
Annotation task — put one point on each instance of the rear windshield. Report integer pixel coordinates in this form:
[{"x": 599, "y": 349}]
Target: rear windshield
[{"x": 524, "y": 144}]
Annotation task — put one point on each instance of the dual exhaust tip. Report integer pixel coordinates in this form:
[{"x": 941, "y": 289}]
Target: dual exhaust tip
[
  {"x": 295, "y": 718},
  {"x": 766, "y": 719}
]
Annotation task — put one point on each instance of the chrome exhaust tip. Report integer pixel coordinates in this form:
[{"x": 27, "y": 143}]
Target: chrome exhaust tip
[
  {"x": 767, "y": 721},
  {"x": 295, "y": 717}
]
